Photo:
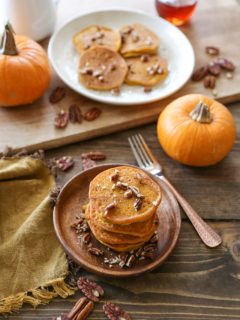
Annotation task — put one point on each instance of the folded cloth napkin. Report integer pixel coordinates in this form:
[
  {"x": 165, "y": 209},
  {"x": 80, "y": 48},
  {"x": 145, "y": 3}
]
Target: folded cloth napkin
[{"x": 33, "y": 265}]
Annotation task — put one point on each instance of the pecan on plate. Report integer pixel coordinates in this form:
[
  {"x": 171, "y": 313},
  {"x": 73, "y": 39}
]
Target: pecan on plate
[
  {"x": 75, "y": 114},
  {"x": 61, "y": 119},
  {"x": 65, "y": 163},
  {"x": 200, "y": 73},
  {"x": 212, "y": 51},
  {"x": 114, "y": 312},
  {"x": 95, "y": 251},
  {"x": 92, "y": 114},
  {"x": 226, "y": 64},
  {"x": 94, "y": 155},
  {"x": 90, "y": 289},
  {"x": 81, "y": 309},
  {"x": 57, "y": 95},
  {"x": 209, "y": 82},
  {"x": 214, "y": 68}
]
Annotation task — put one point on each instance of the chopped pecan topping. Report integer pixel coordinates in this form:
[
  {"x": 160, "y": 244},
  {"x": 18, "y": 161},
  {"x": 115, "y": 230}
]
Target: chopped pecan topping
[
  {"x": 127, "y": 30},
  {"x": 128, "y": 194},
  {"x": 214, "y": 69},
  {"x": 123, "y": 259},
  {"x": 209, "y": 82},
  {"x": 136, "y": 192},
  {"x": 122, "y": 185},
  {"x": 144, "y": 58},
  {"x": 95, "y": 251},
  {"x": 97, "y": 73},
  {"x": 87, "y": 238},
  {"x": 75, "y": 114},
  {"x": 200, "y": 73},
  {"x": 57, "y": 95},
  {"x": 94, "y": 155},
  {"x": 92, "y": 114},
  {"x": 154, "y": 238},
  {"x": 90, "y": 289},
  {"x": 147, "y": 89},
  {"x": 213, "y": 51},
  {"x": 115, "y": 176},
  {"x": 65, "y": 163},
  {"x": 61, "y": 119},
  {"x": 81, "y": 309},
  {"x": 137, "y": 204},
  {"x": 110, "y": 207},
  {"x": 130, "y": 261},
  {"x": 87, "y": 70},
  {"x": 149, "y": 247},
  {"x": 114, "y": 312}
]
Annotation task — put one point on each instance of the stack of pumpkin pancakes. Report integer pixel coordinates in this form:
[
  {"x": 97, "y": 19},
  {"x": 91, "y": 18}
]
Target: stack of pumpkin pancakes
[{"x": 122, "y": 207}]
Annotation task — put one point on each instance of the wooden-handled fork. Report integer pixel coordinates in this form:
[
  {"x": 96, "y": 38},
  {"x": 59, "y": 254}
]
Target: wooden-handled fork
[{"x": 146, "y": 160}]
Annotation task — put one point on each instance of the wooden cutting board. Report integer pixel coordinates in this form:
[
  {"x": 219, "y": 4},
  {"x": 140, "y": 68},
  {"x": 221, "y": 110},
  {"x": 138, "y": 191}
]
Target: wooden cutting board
[{"x": 32, "y": 126}]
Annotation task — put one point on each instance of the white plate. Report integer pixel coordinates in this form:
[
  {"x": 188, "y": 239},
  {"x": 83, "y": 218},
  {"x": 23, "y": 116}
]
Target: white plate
[{"x": 174, "y": 46}]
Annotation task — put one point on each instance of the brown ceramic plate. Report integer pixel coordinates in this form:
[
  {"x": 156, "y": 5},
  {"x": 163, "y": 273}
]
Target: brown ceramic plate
[{"x": 71, "y": 198}]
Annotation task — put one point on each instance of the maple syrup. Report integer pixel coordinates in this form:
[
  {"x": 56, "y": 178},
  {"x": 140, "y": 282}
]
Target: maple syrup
[{"x": 177, "y": 12}]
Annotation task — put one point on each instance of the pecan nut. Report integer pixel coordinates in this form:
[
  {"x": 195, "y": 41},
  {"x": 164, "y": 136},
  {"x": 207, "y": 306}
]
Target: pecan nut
[
  {"x": 226, "y": 64},
  {"x": 65, "y": 163},
  {"x": 214, "y": 69},
  {"x": 113, "y": 312},
  {"x": 57, "y": 95},
  {"x": 61, "y": 119},
  {"x": 94, "y": 155},
  {"x": 212, "y": 51},
  {"x": 92, "y": 114},
  {"x": 95, "y": 251},
  {"x": 75, "y": 114},
  {"x": 90, "y": 289},
  {"x": 88, "y": 163},
  {"x": 137, "y": 204},
  {"x": 209, "y": 82},
  {"x": 200, "y": 73},
  {"x": 81, "y": 309},
  {"x": 53, "y": 195}
]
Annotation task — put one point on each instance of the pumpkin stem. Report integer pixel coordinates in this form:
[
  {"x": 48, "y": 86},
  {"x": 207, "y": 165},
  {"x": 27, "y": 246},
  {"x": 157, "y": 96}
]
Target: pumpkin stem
[
  {"x": 201, "y": 113},
  {"x": 8, "y": 45}
]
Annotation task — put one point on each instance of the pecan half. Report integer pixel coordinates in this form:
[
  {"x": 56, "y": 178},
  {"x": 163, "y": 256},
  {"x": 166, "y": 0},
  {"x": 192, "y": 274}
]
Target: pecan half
[
  {"x": 137, "y": 204},
  {"x": 114, "y": 312},
  {"x": 110, "y": 207},
  {"x": 87, "y": 238},
  {"x": 226, "y": 64},
  {"x": 130, "y": 261},
  {"x": 212, "y": 51},
  {"x": 81, "y": 309},
  {"x": 115, "y": 176},
  {"x": 92, "y": 114},
  {"x": 57, "y": 95},
  {"x": 144, "y": 58},
  {"x": 65, "y": 163},
  {"x": 214, "y": 68},
  {"x": 88, "y": 163},
  {"x": 121, "y": 185},
  {"x": 209, "y": 82},
  {"x": 94, "y": 155},
  {"x": 75, "y": 114},
  {"x": 61, "y": 119},
  {"x": 90, "y": 289},
  {"x": 200, "y": 73},
  {"x": 95, "y": 251},
  {"x": 128, "y": 194}
]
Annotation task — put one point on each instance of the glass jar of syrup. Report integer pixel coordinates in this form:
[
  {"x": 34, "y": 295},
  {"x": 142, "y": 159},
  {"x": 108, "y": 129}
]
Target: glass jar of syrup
[{"x": 177, "y": 12}]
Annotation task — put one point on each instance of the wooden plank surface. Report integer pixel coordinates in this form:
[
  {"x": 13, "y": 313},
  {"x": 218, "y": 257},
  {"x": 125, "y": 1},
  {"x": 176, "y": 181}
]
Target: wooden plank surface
[{"x": 32, "y": 126}]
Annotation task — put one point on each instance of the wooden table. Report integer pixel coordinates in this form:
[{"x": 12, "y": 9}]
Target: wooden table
[{"x": 195, "y": 282}]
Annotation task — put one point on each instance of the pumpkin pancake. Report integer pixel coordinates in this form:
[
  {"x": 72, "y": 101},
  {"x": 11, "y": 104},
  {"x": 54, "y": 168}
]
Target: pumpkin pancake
[
  {"x": 97, "y": 36},
  {"x": 138, "y": 39},
  {"x": 124, "y": 195},
  {"x": 102, "y": 69},
  {"x": 146, "y": 70},
  {"x": 117, "y": 238}
]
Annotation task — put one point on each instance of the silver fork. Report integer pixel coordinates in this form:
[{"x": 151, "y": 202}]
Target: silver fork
[{"x": 146, "y": 160}]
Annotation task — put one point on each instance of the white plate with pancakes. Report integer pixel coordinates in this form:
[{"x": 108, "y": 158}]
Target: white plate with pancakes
[{"x": 174, "y": 47}]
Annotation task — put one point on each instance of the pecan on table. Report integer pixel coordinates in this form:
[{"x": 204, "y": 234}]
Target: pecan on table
[
  {"x": 88, "y": 163},
  {"x": 212, "y": 51},
  {"x": 226, "y": 64},
  {"x": 90, "y": 289},
  {"x": 81, "y": 309},
  {"x": 75, "y": 114},
  {"x": 114, "y": 312},
  {"x": 94, "y": 155},
  {"x": 92, "y": 114},
  {"x": 65, "y": 163},
  {"x": 214, "y": 68},
  {"x": 200, "y": 73},
  {"x": 61, "y": 119},
  {"x": 57, "y": 95},
  {"x": 209, "y": 82}
]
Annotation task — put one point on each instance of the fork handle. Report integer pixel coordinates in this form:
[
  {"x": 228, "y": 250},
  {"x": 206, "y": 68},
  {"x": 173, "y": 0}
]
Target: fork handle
[{"x": 205, "y": 232}]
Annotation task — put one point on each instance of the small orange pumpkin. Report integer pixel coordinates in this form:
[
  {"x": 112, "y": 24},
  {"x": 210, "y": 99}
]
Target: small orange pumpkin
[
  {"x": 196, "y": 130},
  {"x": 24, "y": 69}
]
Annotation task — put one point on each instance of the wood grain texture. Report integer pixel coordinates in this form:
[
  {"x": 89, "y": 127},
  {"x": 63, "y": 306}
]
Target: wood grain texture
[
  {"x": 32, "y": 126},
  {"x": 194, "y": 283}
]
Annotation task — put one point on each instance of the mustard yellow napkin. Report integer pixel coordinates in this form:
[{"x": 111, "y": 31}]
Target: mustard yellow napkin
[{"x": 32, "y": 262}]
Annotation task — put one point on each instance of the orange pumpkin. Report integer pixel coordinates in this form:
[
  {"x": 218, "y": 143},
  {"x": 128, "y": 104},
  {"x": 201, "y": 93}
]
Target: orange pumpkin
[
  {"x": 24, "y": 69},
  {"x": 196, "y": 130}
]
